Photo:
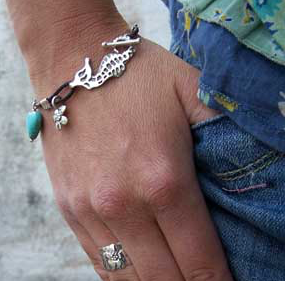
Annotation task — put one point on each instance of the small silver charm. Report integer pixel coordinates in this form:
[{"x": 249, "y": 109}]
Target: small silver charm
[
  {"x": 112, "y": 64},
  {"x": 58, "y": 117}
]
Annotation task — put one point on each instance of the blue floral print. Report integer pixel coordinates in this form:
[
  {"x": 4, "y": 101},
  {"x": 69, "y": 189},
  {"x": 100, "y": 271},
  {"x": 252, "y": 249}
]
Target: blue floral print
[{"x": 259, "y": 24}]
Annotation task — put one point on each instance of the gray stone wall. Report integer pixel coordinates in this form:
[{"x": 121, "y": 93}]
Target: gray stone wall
[{"x": 35, "y": 243}]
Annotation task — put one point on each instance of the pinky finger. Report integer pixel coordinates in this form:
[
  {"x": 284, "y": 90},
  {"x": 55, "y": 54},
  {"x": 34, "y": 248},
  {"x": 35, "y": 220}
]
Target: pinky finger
[{"x": 90, "y": 249}]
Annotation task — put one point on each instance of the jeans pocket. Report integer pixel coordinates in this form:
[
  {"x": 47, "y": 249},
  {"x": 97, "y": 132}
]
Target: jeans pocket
[
  {"x": 207, "y": 121},
  {"x": 243, "y": 180},
  {"x": 232, "y": 157}
]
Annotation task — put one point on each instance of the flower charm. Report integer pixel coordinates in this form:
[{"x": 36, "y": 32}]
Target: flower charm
[{"x": 58, "y": 117}]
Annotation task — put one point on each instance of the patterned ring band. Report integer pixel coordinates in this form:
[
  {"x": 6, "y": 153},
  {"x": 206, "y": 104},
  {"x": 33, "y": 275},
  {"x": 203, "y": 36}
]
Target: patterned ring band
[{"x": 114, "y": 257}]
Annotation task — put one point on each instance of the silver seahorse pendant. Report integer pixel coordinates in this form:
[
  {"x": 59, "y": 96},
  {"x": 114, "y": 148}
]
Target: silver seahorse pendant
[{"x": 112, "y": 64}]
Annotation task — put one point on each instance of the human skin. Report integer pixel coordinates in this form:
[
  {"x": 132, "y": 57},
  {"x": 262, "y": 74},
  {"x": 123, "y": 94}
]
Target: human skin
[{"x": 123, "y": 169}]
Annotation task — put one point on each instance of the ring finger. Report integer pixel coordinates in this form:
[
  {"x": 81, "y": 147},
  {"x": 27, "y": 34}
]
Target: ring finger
[
  {"x": 146, "y": 246},
  {"x": 103, "y": 237},
  {"x": 93, "y": 235}
]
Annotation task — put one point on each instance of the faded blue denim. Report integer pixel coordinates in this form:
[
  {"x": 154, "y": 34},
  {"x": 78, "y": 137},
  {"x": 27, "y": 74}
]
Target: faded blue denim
[{"x": 243, "y": 181}]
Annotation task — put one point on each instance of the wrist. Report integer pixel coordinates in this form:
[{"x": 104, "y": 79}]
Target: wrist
[
  {"x": 61, "y": 35},
  {"x": 57, "y": 60},
  {"x": 112, "y": 65}
]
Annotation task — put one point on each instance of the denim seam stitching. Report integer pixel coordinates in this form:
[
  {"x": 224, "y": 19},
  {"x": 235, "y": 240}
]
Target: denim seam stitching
[
  {"x": 255, "y": 162},
  {"x": 241, "y": 190},
  {"x": 225, "y": 98},
  {"x": 271, "y": 160},
  {"x": 214, "y": 92},
  {"x": 253, "y": 171},
  {"x": 241, "y": 107}
]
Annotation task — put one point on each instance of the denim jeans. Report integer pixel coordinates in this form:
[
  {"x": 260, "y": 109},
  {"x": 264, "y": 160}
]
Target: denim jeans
[{"x": 243, "y": 181}]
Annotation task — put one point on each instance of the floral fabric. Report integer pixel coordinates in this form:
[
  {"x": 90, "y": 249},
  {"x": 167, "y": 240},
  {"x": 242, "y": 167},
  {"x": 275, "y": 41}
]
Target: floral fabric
[
  {"x": 236, "y": 80},
  {"x": 259, "y": 24}
]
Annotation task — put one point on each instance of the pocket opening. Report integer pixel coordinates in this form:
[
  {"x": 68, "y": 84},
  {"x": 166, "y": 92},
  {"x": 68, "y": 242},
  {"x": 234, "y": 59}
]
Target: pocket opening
[{"x": 207, "y": 121}]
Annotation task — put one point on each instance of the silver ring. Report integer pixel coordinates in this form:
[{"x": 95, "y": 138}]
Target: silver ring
[{"x": 113, "y": 257}]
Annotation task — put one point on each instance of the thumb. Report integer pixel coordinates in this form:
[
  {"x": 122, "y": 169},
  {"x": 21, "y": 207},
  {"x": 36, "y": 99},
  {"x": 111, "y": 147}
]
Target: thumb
[{"x": 187, "y": 85}]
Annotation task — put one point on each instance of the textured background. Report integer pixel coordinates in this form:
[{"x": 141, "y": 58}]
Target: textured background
[{"x": 35, "y": 243}]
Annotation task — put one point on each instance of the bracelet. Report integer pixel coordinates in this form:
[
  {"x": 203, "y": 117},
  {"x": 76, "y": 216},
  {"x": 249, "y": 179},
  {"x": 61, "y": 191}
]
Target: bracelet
[{"x": 112, "y": 65}]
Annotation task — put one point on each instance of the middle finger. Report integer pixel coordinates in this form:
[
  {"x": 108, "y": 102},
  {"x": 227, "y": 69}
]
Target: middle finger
[
  {"x": 146, "y": 246},
  {"x": 101, "y": 236}
]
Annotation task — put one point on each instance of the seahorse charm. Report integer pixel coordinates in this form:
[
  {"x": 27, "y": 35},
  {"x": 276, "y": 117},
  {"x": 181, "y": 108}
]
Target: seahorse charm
[{"x": 112, "y": 65}]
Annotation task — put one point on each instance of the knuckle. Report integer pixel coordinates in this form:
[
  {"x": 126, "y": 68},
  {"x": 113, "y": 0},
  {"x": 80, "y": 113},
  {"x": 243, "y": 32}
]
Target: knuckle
[
  {"x": 155, "y": 272},
  {"x": 205, "y": 274},
  {"x": 79, "y": 204},
  {"x": 110, "y": 203},
  {"x": 160, "y": 185},
  {"x": 202, "y": 275},
  {"x": 161, "y": 195}
]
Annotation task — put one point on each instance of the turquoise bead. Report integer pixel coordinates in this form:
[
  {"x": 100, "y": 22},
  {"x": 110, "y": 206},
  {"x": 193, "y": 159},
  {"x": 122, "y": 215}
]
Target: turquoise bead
[{"x": 34, "y": 124}]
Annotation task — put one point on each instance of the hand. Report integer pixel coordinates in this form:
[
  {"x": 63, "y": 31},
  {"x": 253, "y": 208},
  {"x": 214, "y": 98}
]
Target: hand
[{"x": 123, "y": 170}]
